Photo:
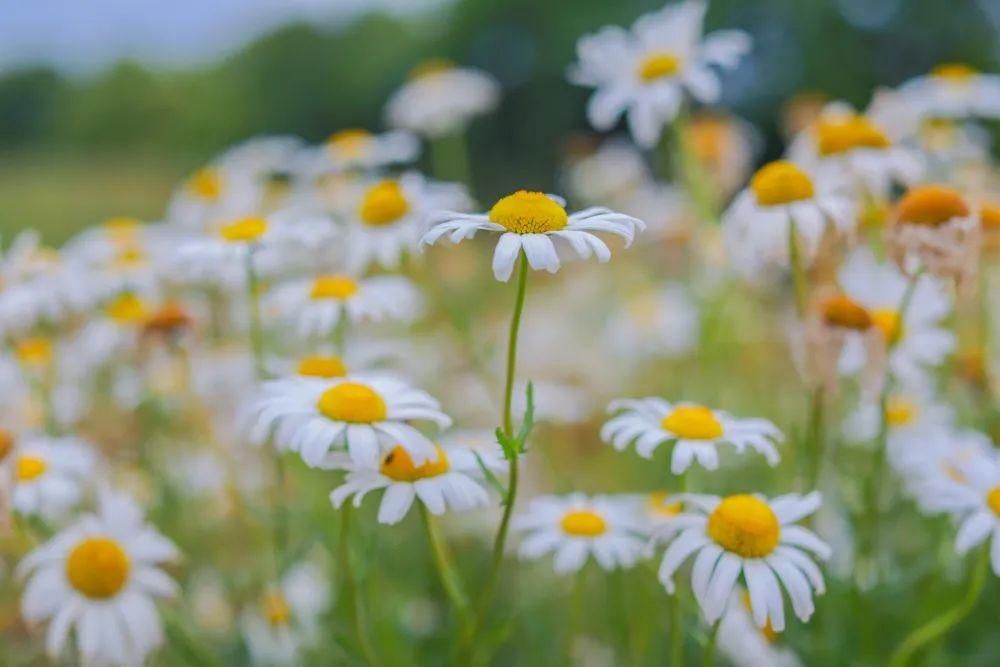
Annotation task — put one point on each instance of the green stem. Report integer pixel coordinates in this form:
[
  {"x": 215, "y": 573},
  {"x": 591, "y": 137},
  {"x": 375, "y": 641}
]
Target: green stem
[
  {"x": 799, "y": 281},
  {"x": 946, "y": 620},
  {"x": 713, "y": 634},
  {"x": 817, "y": 437},
  {"x": 676, "y": 631},
  {"x": 450, "y": 580},
  {"x": 352, "y": 594},
  {"x": 692, "y": 172},
  {"x": 256, "y": 331}
]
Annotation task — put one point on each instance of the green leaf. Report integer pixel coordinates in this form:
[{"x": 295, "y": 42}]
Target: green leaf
[
  {"x": 528, "y": 422},
  {"x": 490, "y": 477}
]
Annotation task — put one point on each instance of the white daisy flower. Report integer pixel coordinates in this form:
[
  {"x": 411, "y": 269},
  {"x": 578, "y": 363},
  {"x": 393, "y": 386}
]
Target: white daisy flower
[
  {"x": 440, "y": 99},
  {"x": 213, "y": 193},
  {"x": 50, "y": 475},
  {"x": 531, "y": 221},
  {"x": 452, "y": 480},
  {"x": 646, "y": 71},
  {"x": 695, "y": 431},
  {"x": 125, "y": 254},
  {"x": 314, "y": 307},
  {"x": 391, "y": 216},
  {"x": 100, "y": 576},
  {"x": 261, "y": 157},
  {"x": 616, "y": 167},
  {"x": 367, "y": 415},
  {"x": 922, "y": 342},
  {"x": 746, "y": 645},
  {"x": 750, "y": 535},
  {"x": 934, "y": 228},
  {"x": 575, "y": 527},
  {"x": 664, "y": 322},
  {"x": 360, "y": 356},
  {"x": 938, "y": 460},
  {"x": 912, "y": 412},
  {"x": 356, "y": 148},
  {"x": 954, "y": 90},
  {"x": 780, "y": 194}
]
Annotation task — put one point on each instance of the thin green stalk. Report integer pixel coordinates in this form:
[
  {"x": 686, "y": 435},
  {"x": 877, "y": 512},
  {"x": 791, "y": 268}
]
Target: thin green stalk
[
  {"x": 256, "y": 331},
  {"x": 817, "y": 437},
  {"x": 799, "y": 280},
  {"x": 713, "y": 634},
  {"x": 450, "y": 580},
  {"x": 352, "y": 594},
  {"x": 692, "y": 172},
  {"x": 946, "y": 620},
  {"x": 450, "y": 158},
  {"x": 676, "y": 631}
]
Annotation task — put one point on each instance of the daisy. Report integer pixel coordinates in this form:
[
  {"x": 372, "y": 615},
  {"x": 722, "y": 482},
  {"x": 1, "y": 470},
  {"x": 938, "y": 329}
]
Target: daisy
[
  {"x": 937, "y": 461},
  {"x": 356, "y": 148},
  {"x": 782, "y": 194},
  {"x": 124, "y": 253},
  {"x": 934, "y": 228},
  {"x": 921, "y": 342},
  {"x": 440, "y": 99},
  {"x": 390, "y": 216},
  {"x": 531, "y": 221},
  {"x": 750, "y": 535},
  {"x": 652, "y": 323},
  {"x": 746, "y": 645},
  {"x": 100, "y": 576},
  {"x": 646, "y": 71},
  {"x": 576, "y": 526},
  {"x": 213, "y": 192},
  {"x": 954, "y": 90},
  {"x": 912, "y": 412},
  {"x": 452, "y": 480},
  {"x": 50, "y": 475},
  {"x": 367, "y": 415},
  {"x": 617, "y": 167},
  {"x": 695, "y": 431},
  {"x": 359, "y": 356},
  {"x": 314, "y": 307}
]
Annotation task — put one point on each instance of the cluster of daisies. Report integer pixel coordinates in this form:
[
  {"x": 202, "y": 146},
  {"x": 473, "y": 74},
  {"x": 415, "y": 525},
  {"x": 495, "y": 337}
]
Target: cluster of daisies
[{"x": 289, "y": 312}]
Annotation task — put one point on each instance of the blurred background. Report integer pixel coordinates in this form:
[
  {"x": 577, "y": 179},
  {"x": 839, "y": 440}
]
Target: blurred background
[{"x": 106, "y": 104}]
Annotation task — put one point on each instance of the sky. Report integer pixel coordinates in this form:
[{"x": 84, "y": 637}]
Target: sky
[{"x": 80, "y": 37}]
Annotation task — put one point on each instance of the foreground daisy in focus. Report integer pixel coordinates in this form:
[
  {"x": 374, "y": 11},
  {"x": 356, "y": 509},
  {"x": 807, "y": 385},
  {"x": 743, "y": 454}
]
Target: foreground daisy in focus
[
  {"x": 532, "y": 221},
  {"x": 749, "y": 535},
  {"x": 695, "y": 431},
  {"x": 576, "y": 527},
  {"x": 99, "y": 576}
]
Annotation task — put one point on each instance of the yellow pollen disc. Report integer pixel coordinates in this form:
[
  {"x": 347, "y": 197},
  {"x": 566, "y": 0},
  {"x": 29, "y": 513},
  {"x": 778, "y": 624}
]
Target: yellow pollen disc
[
  {"x": 931, "y": 205},
  {"x": 276, "y": 609},
  {"x": 244, "y": 230},
  {"x": 900, "y": 411},
  {"x": 842, "y": 311},
  {"x": 352, "y": 402},
  {"x": 584, "y": 523},
  {"x": 658, "y": 505},
  {"x": 993, "y": 500},
  {"x": 692, "y": 422},
  {"x": 121, "y": 229},
  {"x": 780, "y": 182},
  {"x": 333, "y": 287},
  {"x": 349, "y": 143},
  {"x": 30, "y": 467},
  {"x": 841, "y": 135},
  {"x": 430, "y": 67},
  {"x": 954, "y": 72},
  {"x": 129, "y": 255},
  {"x": 658, "y": 65},
  {"x": 744, "y": 525},
  {"x": 34, "y": 351},
  {"x": 126, "y": 309},
  {"x": 527, "y": 212},
  {"x": 206, "y": 183},
  {"x": 989, "y": 217},
  {"x": 98, "y": 567},
  {"x": 383, "y": 204},
  {"x": 322, "y": 367},
  {"x": 6, "y": 444},
  {"x": 397, "y": 465},
  {"x": 887, "y": 321}
]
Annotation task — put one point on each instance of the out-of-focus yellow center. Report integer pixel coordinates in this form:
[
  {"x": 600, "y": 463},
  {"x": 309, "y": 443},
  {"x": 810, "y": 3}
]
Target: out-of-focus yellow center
[
  {"x": 887, "y": 321},
  {"x": 692, "y": 422},
  {"x": 900, "y": 411},
  {"x": 842, "y": 311},
  {"x": 954, "y": 72},
  {"x": 744, "y": 525},
  {"x": 244, "y": 230},
  {"x": 383, "y": 204},
  {"x": 659, "y": 64},
  {"x": 352, "y": 402},
  {"x": 397, "y": 465},
  {"x": 98, "y": 567},
  {"x": 333, "y": 287},
  {"x": 206, "y": 184},
  {"x": 349, "y": 143},
  {"x": 431, "y": 67},
  {"x": 711, "y": 136},
  {"x": 781, "y": 182},
  {"x": 658, "y": 505},
  {"x": 527, "y": 212},
  {"x": 584, "y": 523},
  {"x": 30, "y": 467},
  {"x": 276, "y": 609},
  {"x": 129, "y": 256},
  {"x": 126, "y": 309},
  {"x": 840, "y": 135},
  {"x": 993, "y": 500},
  {"x": 989, "y": 217},
  {"x": 321, "y": 367},
  {"x": 36, "y": 351},
  {"x": 121, "y": 229},
  {"x": 6, "y": 443},
  {"x": 931, "y": 205}
]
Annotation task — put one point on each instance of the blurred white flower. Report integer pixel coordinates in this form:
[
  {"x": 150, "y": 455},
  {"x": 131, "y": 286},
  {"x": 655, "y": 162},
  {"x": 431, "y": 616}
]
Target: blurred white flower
[{"x": 440, "y": 99}]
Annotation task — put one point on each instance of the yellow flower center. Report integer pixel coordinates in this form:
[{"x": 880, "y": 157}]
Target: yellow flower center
[
  {"x": 126, "y": 309},
  {"x": 900, "y": 411},
  {"x": 780, "y": 182},
  {"x": 842, "y": 311},
  {"x": 397, "y": 465},
  {"x": 889, "y": 323},
  {"x": 744, "y": 525},
  {"x": 658, "y": 505},
  {"x": 276, "y": 609},
  {"x": 98, "y": 567},
  {"x": 993, "y": 500},
  {"x": 244, "y": 230},
  {"x": 129, "y": 256},
  {"x": 658, "y": 65},
  {"x": 430, "y": 67},
  {"x": 333, "y": 287},
  {"x": 322, "y": 367},
  {"x": 121, "y": 229},
  {"x": 931, "y": 205},
  {"x": 840, "y": 135},
  {"x": 35, "y": 351},
  {"x": 954, "y": 72},
  {"x": 527, "y": 212},
  {"x": 352, "y": 402},
  {"x": 383, "y": 204},
  {"x": 6, "y": 443},
  {"x": 989, "y": 217},
  {"x": 349, "y": 143},
  {"x": 206, "y": 183},
  {"x": 692, "y": 422},
  {"x": 30, "y": 467},
  {"x": 710, "y": 137},
  {"x": 584, "y": 523}
]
